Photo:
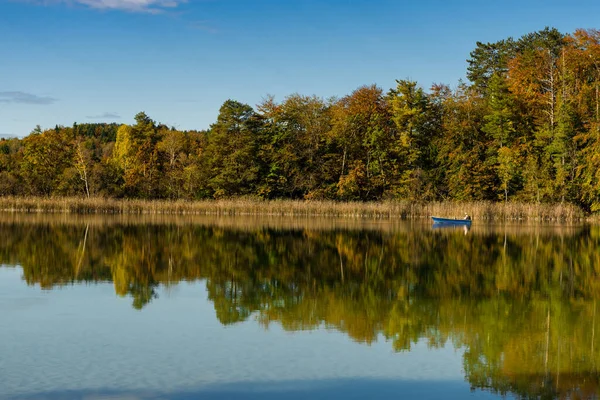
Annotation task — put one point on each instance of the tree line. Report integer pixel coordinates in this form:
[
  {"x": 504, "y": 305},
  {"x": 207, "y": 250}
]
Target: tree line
[{"x": 526, "y": 127}]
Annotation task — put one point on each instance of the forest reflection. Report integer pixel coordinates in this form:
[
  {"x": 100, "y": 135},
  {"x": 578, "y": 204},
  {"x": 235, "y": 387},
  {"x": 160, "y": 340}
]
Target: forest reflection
[{"x": 521, "y": 300}]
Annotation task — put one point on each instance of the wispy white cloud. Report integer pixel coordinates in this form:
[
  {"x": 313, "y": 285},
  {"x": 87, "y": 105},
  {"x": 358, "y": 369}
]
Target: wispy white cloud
[
  {"x": 106, "y": 115},
  {"x": 25, "y": 98},
  {"x": 147, "y": 6}
]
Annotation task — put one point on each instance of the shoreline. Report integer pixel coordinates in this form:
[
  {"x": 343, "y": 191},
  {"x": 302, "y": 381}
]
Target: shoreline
[{"x": 479, "y": 210}]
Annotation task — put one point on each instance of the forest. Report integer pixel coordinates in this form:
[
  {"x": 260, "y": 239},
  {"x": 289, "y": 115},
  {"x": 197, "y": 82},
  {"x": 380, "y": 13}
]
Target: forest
[{"x": 525, "y": 127}]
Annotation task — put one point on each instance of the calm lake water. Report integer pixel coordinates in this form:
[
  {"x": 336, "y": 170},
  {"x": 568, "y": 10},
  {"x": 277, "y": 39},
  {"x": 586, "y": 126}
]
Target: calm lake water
[{"x": 159, "y": 308}]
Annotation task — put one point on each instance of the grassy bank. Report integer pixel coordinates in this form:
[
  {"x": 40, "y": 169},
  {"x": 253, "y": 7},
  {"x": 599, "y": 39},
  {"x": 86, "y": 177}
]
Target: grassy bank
[{"x": 481, "y": 210}]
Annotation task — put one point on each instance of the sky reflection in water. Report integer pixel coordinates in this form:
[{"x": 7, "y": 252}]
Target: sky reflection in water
[{"x": 247, "y": 311}]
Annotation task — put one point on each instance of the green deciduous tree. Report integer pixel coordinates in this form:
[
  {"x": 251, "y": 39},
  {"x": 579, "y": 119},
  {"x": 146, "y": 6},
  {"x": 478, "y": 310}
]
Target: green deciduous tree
[
  {"x": 416, "y": 128},
  {"x": 230, "y": 161}
]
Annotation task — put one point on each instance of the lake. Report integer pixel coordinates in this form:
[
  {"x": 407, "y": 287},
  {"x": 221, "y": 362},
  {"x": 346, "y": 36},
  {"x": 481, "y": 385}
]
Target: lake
[{"x": 267, "y": 308}]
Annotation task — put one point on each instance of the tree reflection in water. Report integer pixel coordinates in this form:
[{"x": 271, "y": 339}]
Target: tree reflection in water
[{"x": 521, "y": 301}]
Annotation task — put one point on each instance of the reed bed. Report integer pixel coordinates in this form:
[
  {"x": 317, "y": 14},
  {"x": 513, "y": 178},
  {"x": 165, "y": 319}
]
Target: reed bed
[{"x": 480, "y": 210}]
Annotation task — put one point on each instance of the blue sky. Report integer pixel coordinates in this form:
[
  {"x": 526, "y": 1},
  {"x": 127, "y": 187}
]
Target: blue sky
[{"x": 65, "y": 61}]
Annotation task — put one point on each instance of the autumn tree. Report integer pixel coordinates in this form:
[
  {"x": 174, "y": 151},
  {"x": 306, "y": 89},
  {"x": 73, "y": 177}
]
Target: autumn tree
[
  {"x": 46, "y": 155},
  {"x": 293, "y": 147},
  {"x": 362, "y": 131}
]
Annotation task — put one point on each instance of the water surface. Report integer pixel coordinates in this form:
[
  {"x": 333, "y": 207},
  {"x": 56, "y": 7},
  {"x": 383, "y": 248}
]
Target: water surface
[{"x": 179, "y": 308}]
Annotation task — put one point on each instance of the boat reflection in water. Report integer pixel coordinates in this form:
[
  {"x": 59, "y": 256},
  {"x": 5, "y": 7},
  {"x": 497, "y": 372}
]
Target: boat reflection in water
[
  {"x": 452, "y": 223},
  {"x": 449, "y": 227}
]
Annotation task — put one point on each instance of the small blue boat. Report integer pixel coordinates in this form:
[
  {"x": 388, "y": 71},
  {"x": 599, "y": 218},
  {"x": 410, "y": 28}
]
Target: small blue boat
[{"x": 451, "y": 221}]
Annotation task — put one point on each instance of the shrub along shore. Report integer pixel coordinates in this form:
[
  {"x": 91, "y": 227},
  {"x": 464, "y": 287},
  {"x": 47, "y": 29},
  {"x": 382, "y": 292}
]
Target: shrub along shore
[{"x": 478, "y": 210}]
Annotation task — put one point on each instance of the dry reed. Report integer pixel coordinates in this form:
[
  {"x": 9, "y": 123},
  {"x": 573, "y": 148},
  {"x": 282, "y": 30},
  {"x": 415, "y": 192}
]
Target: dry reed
[{"x": 479, "y": 210}]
